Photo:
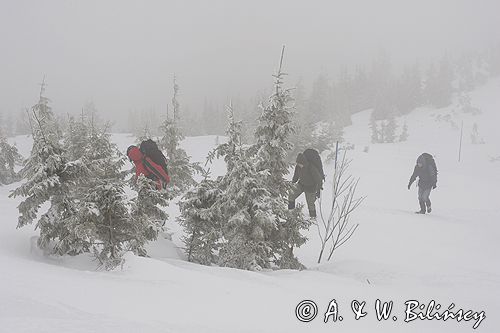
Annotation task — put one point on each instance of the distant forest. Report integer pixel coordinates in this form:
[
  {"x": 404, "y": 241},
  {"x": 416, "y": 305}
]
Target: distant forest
[{"x": 330, "y": 99}]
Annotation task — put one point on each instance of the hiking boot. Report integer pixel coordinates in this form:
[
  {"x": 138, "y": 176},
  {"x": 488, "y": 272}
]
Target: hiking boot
[
  {"x": 420, "y": 212},
  {"x": 429, "y": 209}
]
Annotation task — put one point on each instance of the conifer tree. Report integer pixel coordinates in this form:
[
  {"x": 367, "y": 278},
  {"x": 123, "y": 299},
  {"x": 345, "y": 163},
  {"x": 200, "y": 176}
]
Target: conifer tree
[
  {"x": 245, "y": 206},
  {"x": 404, "y": 133},
  {"x": 147, "y": 213},
  {"x": 113, "y": 226},
  {"x": 50, "y": 177},
  {"x": 376, "y": 135},
  {"x": 247, "y": 218},
  {"x": 273, "y": 136},
  {"x": 230, "y": 217},
  {"x": 383, "y": 131},
  {"x": 201, "y": 222},
  {"x": 179, "y": 166},
  {"x": 9, "y": 157},
  {"x": 390, "y": 130},
  {"x": 230, "y": 150},
  {"x": 271, "y": 149},
  {"x": 103, "y": 223},
  {"x": 76, "y": 138}
]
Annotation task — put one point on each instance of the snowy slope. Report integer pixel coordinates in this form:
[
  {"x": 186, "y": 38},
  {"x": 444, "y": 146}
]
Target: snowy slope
[{"x": 448, "y": 256}]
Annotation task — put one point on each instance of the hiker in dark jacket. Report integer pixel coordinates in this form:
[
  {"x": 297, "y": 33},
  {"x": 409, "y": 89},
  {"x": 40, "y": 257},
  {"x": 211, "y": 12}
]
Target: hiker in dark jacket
[
  {"x": 426, "y": 171},
  {"x": 309, "y": 180}
]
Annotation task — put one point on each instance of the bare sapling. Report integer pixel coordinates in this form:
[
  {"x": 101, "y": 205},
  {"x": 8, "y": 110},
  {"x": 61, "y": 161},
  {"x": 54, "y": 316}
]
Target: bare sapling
[{"x": 335, "y": 229}]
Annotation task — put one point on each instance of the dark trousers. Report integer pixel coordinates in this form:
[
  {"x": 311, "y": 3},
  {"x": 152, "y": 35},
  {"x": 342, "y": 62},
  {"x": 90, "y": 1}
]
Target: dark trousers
[
  {"x": 423, "y": 198},
  {"x": 296, "y": 191}
]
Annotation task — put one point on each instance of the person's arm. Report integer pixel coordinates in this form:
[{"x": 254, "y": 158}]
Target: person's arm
[
  {"x": 137, "y": 172},
  {"x": 318, "y": 179},
  {"x": 413, "y": 176},
  {"x": 295, "y": 175},
  {"x": 433, "y": 172}
]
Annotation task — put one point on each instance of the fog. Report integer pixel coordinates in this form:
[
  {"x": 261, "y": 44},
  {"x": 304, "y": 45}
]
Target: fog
[{"x": 122, "y": 55}]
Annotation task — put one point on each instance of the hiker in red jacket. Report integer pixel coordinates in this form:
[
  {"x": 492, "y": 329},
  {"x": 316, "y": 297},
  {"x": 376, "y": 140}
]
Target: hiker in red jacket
[{"x": 145, "y": 166}]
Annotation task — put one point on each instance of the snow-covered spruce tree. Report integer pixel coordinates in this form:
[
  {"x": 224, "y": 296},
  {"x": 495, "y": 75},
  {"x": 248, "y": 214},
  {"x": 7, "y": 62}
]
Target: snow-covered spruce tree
[
  {"x": 103, "y": 157},
  {"x": 180, "y": 168},
  {"x": 404, "y": 133},
  {"x": 76, "y": 231},
  {"x": 272, "y": 136},
  {"x": 383, "y": 131},
  {"x": 232, "y": 149},
  {"x": 201, "y": 222},
  {"x": 70, "y": 223},
  {"x": 131, "y": 230},
  {"x": 50, "y": 177},
  {"x": 9, "y": 157},
  {"x": 76, "y": 138},
  {"x": 271, "y": 149},
  {"x": 43, "y": 112},
  {"x": 247, "y": 220},
  {"x": 147, "y": 213},
  {"x": 390, "y": 130},
  {"x": 102, "y": 218},
  {"x": 376, "y": 135},
  {"x": 103, "y": 222},
  {"x": 113, "y": 226},
  {"x": 44, "y": 128}
]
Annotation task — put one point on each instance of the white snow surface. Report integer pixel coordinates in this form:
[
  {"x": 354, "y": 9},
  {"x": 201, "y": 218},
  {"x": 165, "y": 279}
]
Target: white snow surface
[{"x": 448, "y": 256}]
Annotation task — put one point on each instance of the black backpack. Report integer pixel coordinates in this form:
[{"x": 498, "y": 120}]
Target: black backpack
[
  {"x": 429, "y": 160},
  {"x": 151, "y": 150},
  {"x": 312, "y": 155},
  {"x": 431, "y": 164}
]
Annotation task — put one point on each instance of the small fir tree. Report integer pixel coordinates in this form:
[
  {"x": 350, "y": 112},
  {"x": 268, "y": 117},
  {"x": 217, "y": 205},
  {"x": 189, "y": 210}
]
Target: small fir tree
[
  {"x": 245, "y": 207},
  {"x": 147, "y": 213},
  {"x": 181, "y": 170},
  {"x": 201, "y": 222},
  {"x": 9, "y": 157},
  {"x": 404, "y": 133},
  {"x": 376, "y": 135},
  {"x": 50, "y": 177},
  {"x": 390, "y": 130},
  {"x": 271, "y": 149}
]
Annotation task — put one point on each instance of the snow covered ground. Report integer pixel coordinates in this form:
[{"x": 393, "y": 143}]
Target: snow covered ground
[{"x": 448, "y": 256}]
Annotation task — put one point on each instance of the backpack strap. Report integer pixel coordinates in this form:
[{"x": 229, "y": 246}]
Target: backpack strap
[{"x": 156, "y": 170}]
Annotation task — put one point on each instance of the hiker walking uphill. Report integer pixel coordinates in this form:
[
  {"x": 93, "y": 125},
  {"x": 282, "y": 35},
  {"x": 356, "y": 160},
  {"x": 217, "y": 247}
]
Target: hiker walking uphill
[
  {"x": 308, "y": 177},
  {"x": 426, "y": 171},
  {"x": 150, "y": 162}
]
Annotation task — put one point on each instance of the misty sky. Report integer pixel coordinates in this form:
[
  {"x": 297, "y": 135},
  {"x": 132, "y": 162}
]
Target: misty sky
[{"x": 122, "y": 54}]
